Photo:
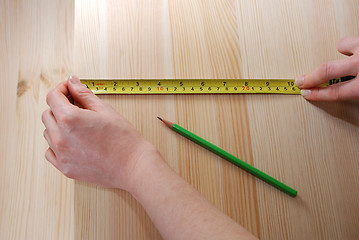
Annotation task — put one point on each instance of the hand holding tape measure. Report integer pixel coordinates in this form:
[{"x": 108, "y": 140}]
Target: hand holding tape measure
[{"x": 313, "y": 86}]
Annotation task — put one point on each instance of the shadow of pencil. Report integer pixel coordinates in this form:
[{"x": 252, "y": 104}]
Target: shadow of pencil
[{"x": 347, "y": 111}]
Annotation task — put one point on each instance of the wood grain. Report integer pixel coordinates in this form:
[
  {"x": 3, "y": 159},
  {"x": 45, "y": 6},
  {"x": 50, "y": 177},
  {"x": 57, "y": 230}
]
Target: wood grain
[
  {"x": 36, "y": 201},
  {"x": 312, "y": 147}
]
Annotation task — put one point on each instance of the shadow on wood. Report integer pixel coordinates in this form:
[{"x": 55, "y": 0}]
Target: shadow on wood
[{"x": 346, "y": 111}]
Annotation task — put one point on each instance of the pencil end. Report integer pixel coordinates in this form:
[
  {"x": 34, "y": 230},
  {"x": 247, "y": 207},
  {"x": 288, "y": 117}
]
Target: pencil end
[{"x": 168, "y": 123}]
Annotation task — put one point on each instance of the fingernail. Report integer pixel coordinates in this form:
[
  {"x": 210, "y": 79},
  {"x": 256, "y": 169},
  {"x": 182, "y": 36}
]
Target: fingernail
[
  {"x": 74, "y": 80},
  {"x": 305, "y": 93},
  {"x": 299, "y": 81}
]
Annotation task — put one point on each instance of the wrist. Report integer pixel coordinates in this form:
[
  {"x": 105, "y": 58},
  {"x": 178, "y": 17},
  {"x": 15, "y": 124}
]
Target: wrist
[
  {"x": 134, "y": 171},
  {"x": 152, "y": 171}
]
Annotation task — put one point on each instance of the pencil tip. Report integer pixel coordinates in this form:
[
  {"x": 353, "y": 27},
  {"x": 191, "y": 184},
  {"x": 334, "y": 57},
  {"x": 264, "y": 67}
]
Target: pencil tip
[{"x": 159, "y": 118}]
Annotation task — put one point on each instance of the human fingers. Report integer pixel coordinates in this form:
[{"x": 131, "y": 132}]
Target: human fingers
[
  {"x": 348, "y": 45},
  {"x": 326, "y": 72},
  {"x": 48, "y": 139},
  {"x": 338, "y": 92},
  {"x": 83, "y": 95},
  {"x": 48, "y": 119},
  {"x": 51, "y": 157},
  {"x": 58, "y": 99},
  {"x": 51, "y": 126}
]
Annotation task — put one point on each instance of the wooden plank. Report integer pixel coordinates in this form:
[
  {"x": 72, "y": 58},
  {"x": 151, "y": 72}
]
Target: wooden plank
[
  {"x": 36, "y": 201},
  {"x": 282, "y": 135},
  {"x": 123, "y": 39},
  {"x": 166, "y": 51},
  {"x": 310, "y": 146}
]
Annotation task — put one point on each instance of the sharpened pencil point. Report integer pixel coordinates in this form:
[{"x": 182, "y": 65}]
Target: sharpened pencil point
[{"x": 168, "y": 123}]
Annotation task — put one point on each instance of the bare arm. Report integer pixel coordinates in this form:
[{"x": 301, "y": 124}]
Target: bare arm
[
  {"x": 340, "y": 68},
  {"x": 177, "y": 209},
  {"x": 97, "y": 145}
]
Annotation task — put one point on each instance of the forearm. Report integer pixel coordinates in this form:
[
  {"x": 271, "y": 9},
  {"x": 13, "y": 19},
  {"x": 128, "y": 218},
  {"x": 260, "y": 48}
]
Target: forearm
[{"x": 176, "y": 208}]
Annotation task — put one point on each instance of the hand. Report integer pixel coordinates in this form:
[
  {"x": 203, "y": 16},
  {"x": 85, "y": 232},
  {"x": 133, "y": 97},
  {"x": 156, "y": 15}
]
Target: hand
[
  {"x": 345, "y": 67},
  {"x": 97, "y": 145},
  {"x": 94, "y": 143}
]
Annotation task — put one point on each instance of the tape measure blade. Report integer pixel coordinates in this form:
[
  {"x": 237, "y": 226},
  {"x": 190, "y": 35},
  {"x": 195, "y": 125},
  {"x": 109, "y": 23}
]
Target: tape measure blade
[{"x": 191, "y": 86}]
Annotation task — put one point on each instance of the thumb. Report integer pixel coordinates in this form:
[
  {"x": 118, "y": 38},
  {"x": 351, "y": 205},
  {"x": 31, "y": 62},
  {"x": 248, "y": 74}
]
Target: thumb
[
  {"x": 338, "y": 92},
  {"x": 83, "y": 95}
]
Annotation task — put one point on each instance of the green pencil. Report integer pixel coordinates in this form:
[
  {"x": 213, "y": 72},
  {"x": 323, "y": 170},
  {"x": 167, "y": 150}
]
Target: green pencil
[{"x": 265, "y": 177}]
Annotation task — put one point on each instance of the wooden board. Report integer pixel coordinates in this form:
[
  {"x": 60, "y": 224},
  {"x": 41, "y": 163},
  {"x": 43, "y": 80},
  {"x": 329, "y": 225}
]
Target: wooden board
[
  {"x": 36, "y": 201},
  {"x": 312, "y": 147}
]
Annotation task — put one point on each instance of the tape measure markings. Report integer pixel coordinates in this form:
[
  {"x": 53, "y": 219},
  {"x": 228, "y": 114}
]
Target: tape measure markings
[{"x": 195, "y": 86}]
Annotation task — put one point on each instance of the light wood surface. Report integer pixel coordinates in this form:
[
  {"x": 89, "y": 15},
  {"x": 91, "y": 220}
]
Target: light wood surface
[
  {"x": 36, "y": 201},
  {"x": 312, "y": 147}
]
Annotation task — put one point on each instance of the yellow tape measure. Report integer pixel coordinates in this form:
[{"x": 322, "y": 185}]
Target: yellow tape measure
[{"x": 195, "y": 86}]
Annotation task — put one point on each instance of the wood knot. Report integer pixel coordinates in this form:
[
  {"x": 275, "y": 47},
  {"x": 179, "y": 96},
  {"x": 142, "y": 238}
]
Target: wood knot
[
  {"x": 22, "y": 87},
  {"x": 46, "y": 80}
]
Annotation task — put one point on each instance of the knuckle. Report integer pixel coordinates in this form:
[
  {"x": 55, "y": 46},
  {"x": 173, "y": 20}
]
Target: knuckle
[
  {"x": 83, "y": 91},
  {"x": 314, "y": 95},
  {"x": 59, "y": 143},
  {"x": 44, "y": 114},
  {"x": 63, "y": 160},
  {"x": 63, "y": 118},
  {"x": 355, "y": 62},
  {"x": 49, "y": 96},
  {"x": 66, "y": 118},
  {"x": 354, "y": 91},
  {"x": 48, "y": 155},
  {"x": 67, "y": 172},
  {"x": 43, "y": 117},
  {"x": 334, "y": 93},
  {"x": 342, "y": 41},
  {"x": 324, "y": 70}
]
